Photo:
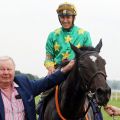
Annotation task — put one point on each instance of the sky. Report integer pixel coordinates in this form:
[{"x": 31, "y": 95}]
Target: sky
[{"x": 25, "y": 25}]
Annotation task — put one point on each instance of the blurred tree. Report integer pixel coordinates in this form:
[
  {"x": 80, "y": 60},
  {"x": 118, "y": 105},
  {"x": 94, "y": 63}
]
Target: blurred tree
[{"x": 30, "y": 76}]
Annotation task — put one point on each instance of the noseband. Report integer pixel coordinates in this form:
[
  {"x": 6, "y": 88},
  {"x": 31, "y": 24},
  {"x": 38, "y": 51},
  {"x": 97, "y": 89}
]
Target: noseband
[
  {"x": 98, "y": 72},
  {"x": 90, "y": 95}
]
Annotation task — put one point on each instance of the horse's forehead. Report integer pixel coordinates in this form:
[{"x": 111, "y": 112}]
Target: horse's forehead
[{"x": 93, "y": 58}]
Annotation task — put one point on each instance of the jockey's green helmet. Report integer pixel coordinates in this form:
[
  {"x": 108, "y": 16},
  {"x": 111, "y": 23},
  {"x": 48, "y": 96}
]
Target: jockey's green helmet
[{"x": 66, "y": 9}]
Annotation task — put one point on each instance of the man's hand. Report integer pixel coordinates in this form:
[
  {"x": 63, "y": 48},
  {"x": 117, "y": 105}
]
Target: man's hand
[
  {"x": 112, "y": 110},
  {"x": 68, "y": 67},
  {"x": 51, "y": 70}
]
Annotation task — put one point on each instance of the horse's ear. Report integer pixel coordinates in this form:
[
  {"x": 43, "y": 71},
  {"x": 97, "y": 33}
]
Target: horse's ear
[
  {"x": 76, "y": 50},
  {"x": 98, "y": 46}
]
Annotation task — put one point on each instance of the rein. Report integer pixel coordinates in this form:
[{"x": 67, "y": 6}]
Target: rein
[
  {"x": 57, "y": 104},
  {"x": 95, "y": 107}
]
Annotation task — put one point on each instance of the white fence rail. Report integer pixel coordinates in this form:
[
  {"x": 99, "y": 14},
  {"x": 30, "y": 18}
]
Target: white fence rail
[{"x": 115, "y": 94}]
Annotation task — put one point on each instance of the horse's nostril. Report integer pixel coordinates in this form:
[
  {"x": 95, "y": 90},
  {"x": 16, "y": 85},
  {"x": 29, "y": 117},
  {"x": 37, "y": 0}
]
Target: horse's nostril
[
  {"x": 103, "y": 95},
  {"x": 100, "y": 91}
]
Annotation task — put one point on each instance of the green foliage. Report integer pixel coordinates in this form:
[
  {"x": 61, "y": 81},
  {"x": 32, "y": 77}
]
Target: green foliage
[{"x": 30, "y": 76}]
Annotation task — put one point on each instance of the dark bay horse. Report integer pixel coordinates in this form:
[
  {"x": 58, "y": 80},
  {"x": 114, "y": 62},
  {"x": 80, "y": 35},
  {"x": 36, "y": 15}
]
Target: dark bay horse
[{"x": 87, "y": 78}]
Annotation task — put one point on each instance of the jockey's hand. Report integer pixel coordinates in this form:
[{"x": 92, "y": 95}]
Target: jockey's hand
[
  {"x": 112, "y": 110},
  {"x": 51, "y": 70},
  {"x": 68, "y": 67}
]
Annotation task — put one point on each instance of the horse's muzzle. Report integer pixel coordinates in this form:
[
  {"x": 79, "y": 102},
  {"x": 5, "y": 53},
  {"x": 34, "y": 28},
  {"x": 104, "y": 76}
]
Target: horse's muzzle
[{"x": 103, "y": 95}]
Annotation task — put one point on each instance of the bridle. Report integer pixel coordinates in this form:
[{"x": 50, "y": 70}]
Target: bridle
[
  {"x": 91, "y": 95},
  {"x": 96, "y": 73}
]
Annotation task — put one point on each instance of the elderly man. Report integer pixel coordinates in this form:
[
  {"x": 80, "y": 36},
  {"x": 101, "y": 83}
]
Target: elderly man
[{"x": 17, "y": 93}]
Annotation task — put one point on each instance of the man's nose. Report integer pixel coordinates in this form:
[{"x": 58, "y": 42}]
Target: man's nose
[
  {"x": 65, "y": 18},
  {"x": 6, "y": 71}
]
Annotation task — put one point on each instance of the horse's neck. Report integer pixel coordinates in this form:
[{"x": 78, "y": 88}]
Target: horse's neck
[{"x": 73, "y": 99}]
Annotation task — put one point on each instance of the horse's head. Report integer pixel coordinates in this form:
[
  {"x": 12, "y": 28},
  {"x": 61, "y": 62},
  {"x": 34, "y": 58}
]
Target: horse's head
[{"x": 91, "y": 69}]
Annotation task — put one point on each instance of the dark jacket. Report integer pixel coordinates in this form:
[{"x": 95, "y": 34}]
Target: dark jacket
[{"x": 29, "y": 89}]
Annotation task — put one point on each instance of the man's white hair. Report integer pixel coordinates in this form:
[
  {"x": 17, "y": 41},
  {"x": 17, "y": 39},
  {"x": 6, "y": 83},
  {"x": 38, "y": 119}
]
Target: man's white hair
[{"x": 4, "y": 58}]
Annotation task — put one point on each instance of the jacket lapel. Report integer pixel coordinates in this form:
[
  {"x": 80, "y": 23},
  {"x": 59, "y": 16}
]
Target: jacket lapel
[{"x": 2, "y": 113}]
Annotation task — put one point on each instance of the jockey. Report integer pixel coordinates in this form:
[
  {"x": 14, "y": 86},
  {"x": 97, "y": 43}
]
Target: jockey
[
  {"x": 58, "y": 47},
  {"x": 58, "y": 43}
]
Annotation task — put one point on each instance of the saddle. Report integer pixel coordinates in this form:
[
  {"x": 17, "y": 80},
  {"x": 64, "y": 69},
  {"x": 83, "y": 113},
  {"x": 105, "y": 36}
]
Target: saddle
[{"x": 40, "y": 108}]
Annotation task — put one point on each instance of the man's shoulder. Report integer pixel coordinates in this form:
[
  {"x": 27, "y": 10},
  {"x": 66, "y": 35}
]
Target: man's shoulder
[
  {"x": 22, "y": 80},
  {"x": 56, "y": 31},
  {"x": 81, "y": 30},
  {"x": 21, "y": 77}
]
